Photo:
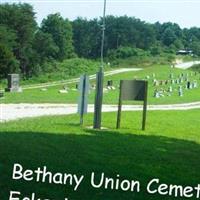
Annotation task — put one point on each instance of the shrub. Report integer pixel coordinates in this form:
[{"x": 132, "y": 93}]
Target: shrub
[{"x": 125, "y": 52}]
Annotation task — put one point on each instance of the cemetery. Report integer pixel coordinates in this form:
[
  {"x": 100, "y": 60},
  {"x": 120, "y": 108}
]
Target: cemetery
[
  {"x": 162, "y": 88},
  {"x": 131, "y": 130},
  {"x": 152, "y": 140}
]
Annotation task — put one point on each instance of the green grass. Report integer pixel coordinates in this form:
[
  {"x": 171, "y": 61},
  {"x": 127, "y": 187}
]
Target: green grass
[
  {"x": 196, "y": 68},
  {"x": 162, "y": 72},
  {"x": 169, "y": 150}
]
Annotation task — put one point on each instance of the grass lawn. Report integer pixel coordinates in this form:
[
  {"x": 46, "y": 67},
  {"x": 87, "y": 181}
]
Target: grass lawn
[
  {"x": 169, "y": 149},
  {"x": 161, "y": 72}
]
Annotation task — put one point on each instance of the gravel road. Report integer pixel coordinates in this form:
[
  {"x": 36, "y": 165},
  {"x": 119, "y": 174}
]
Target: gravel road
[
  {"x": 16, "y": 111},
  {"x": 186, "y": 65}
]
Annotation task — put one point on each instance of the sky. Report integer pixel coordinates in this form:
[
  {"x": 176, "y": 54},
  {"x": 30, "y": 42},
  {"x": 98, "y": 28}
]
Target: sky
[{"x": 183, "y": 12}]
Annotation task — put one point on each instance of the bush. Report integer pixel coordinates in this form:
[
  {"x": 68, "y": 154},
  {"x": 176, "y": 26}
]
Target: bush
[
  {"x": 196, "y": 68},
  {"x": 77, "y": 66},
  {"x": 125, "y": 52},
  {"x": 56, "y": 71}
]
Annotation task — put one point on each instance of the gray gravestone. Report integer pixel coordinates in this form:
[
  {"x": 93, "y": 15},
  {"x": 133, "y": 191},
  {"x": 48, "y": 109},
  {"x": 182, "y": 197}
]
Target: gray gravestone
[
  {"x": 195, "y": 84},
  {"x": 110, "y": 83},
  {"x": 170, "y": 89},
  {"x": 156, "y": 94},
  {"x": 188, "y": 85},
  {"x": 180, "y": 91},
  {"x": 13, "y": 83}
]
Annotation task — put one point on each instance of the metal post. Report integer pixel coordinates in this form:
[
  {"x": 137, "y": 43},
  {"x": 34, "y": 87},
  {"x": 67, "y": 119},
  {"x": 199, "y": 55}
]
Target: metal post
[
  {"x": 83, "y": 100},
  {"x": 103, "y": 34},
  {"x": 99, "y": 80},
  {"x": 98, "y": 100}
]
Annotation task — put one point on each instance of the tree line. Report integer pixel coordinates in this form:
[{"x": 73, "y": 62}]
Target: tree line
[{"x": 28, "y": 49}]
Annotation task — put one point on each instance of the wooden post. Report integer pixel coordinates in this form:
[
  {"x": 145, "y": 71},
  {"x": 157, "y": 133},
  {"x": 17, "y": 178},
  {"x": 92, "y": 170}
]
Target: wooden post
[
  {"x": 119, "y": 107},
  {"x": 145, "y": 107}
]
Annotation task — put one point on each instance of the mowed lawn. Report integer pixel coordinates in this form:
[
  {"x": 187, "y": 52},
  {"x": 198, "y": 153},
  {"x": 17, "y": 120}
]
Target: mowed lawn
[
  {"x": 169, "y": 149},
  {"x": 162, "y": 72}
]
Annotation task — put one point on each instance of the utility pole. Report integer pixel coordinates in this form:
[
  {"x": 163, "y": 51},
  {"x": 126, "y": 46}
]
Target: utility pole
[{"x": 99, "y": 80}]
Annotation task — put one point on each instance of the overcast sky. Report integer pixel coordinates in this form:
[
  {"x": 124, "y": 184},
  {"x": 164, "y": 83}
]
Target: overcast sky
[{"x": 184, "y": 12}]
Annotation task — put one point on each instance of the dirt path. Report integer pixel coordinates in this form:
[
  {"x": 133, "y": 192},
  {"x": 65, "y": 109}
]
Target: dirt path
[
  {"x": 75, "y": 80},
  {"x": 16, "y": 111},
  {"x": 186, "y": 65}
]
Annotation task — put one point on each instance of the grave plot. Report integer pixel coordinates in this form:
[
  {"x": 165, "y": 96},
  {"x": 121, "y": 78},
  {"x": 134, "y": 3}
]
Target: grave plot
[
  {"x": 163, "y": 81},
  {"x": 175, "y": 85}
]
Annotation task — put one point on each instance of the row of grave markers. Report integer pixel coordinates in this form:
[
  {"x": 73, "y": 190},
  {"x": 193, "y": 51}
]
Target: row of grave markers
[{"x": 183, "y": 82}]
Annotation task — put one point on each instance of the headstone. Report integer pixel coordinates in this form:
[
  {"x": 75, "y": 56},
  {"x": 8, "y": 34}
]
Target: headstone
[
  {"x": 170, "y": 89},
  {"x": 162, "y": 82},
  {"x": 177, "y": 81},
  {"x": 186, "y": 79},
  {"x": 156, "y": 94},
  {"x": 147, "y": 77},
  {"x": 109, "y": 83},
  {"x": 195, "y": 84},
  {"x": 63, "y": 91},
  {"x": 13, "y": 83},
  {"x": 182, "y": 75},
  {"x": 188, "y": 85},
  {"x": 180, "y": 91},
  {"x": 93, "y": 87},
  {"x": 181, "y": 80},
  {"x": 156, "y": 83}
]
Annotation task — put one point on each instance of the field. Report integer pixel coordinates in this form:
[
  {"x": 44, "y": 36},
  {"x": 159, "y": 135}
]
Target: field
[
  {"x": 162, "y": 72},
  {"x": 168, "y": 150}
]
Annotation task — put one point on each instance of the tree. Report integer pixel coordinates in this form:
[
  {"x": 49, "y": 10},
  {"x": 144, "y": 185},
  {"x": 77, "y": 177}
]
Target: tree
[
  {"x": 8, "y": 62},
  {"x": 87, "y": 37},
  {"x": 168, "y": 37},
  {"x": 45, "y": 46},
  {"x": 20, "y": 19},
  {"x": 61, "y": 31}
]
